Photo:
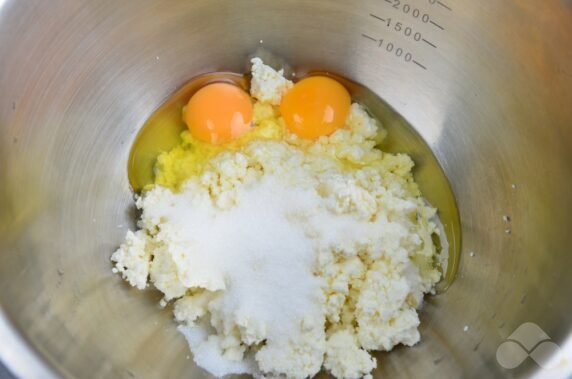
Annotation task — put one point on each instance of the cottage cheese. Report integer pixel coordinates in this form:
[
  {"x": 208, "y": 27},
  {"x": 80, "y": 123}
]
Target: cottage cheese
[
  {"x": 268, "y": 85},
  {"x": 285, "y": 256}
]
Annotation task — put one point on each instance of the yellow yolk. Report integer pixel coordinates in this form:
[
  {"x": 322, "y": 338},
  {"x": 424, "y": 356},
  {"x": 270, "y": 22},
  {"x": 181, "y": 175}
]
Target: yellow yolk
[
  {"x": 316, "y": 106},
  {"x": 219, "y": 113}
]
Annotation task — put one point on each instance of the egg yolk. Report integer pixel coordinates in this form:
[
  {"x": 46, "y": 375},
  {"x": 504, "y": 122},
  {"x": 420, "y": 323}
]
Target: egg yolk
[
  {"x": 316, "y": 106},
  {"x": 219, "y": 113}
]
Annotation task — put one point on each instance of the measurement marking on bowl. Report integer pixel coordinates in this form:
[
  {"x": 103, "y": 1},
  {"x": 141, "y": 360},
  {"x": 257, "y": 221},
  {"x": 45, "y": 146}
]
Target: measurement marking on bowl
[
  {"x": 397, "y": 4},
  {"x": 390, "y": 47},
  {"x": 368, "y": 37},
  {"x": 408, "y": 24},
  {"x": 379, "y": 18},
  {"x": 420, "y": 65},
  {"x": 428, "y": 43},
  {"x": 437, "y": 25},
  {"x": 415, "y": 13},
  {"x": 404, "y": 29},
  {"x": 443, "y": 5}
]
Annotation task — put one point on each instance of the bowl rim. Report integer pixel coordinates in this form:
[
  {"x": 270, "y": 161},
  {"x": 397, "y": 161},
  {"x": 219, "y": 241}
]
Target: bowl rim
[{"x": 18, "y": 356}]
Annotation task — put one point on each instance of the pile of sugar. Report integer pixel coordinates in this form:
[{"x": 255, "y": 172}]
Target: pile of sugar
[
  {"x": 256, "y": 253},
  {"x": 286, "y": 256}
]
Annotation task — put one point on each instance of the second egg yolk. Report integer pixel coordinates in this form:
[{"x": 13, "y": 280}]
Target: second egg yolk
[
  {"x": 219, "y": 113},
  {"x": 316, "y": 106}
]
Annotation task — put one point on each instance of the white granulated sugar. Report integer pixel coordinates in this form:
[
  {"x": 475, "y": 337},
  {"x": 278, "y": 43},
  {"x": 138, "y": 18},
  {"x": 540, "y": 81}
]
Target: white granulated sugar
[
  {"x": 208, "y": 354},
  {"x": 263, "y": 263},
  {"x": 288, "y": 256}
]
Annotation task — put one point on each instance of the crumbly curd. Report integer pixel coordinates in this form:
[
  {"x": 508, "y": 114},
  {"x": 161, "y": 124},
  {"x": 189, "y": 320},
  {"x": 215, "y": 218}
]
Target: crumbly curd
[{"x": 284, "y": 256}]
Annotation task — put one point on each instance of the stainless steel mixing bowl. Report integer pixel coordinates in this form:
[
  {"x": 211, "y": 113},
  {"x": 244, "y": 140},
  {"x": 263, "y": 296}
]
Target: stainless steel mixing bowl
[{"x": 488, "y": 84}]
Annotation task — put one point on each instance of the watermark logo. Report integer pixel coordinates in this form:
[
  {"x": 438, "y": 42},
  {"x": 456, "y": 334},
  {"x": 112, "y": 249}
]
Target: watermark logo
[{"x": 528, "y": 340}]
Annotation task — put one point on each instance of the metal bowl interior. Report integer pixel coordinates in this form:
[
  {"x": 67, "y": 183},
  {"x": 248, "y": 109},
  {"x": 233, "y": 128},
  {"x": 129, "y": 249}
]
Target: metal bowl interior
[{"x": 488, "y": 85}]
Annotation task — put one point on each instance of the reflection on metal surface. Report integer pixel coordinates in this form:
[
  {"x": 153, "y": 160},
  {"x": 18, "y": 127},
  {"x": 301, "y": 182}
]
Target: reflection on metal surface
[
  {"x": 559, "y": 365},
  {"x": 19, "y": 355},
  {"x": 78, "y": 79},
  {"x": 21, "y": 200}
]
